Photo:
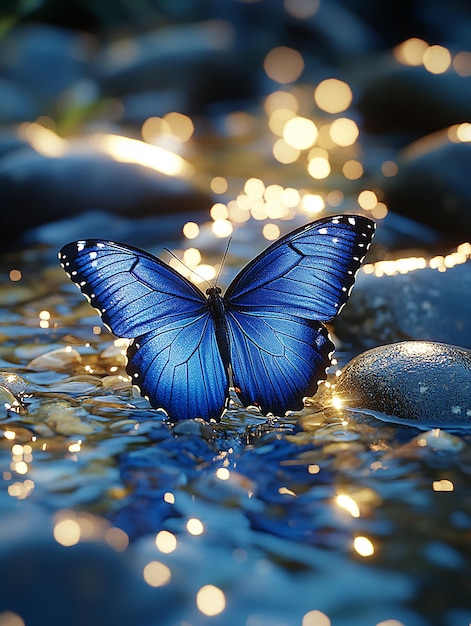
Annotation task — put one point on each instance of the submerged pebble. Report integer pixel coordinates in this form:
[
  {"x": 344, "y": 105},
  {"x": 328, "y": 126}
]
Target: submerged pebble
[
  {"x": 417, "y": 383},
  {"x": 59, "y": 360}
]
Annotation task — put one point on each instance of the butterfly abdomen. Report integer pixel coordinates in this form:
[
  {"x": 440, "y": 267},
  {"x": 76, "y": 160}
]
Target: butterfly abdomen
[{"x": 218, "y": 313}]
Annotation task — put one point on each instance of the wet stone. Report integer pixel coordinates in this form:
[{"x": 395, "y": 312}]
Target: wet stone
[
  {"x": 417, "y": 383},
  {"x": 424, "y": 304},
  {"x": 431, "y": 185},
  {"x": 410, "y": 100},
  {"x": 62, "y": 359},
  {"x": 36, "y": 186}
]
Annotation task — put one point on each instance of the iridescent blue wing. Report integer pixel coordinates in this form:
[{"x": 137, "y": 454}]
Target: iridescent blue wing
[
  {"x": 178, "y": 367},
  {"x": 274, "y": 306},
  {"x": 131, "y": 289},
  {"x": 308, "y": 273},
  {"x": 277, "y": 360},
  {"x": 174, "y": 358}
]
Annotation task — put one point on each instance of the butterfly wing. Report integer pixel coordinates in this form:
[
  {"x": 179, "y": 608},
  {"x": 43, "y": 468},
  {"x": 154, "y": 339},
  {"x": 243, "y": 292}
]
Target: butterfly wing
[
  {"x": 178, "y": 367},
  {"x": 174, "y": 358},
  {"x": 308, "y": 273},
  {"x": 275, "y": 305},
  {"x": 277, "y": 360}
]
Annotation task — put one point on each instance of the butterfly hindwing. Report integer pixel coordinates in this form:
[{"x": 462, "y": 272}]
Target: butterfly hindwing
[
  {"x": 179, "y": 368},
  {"x": 277, "y": 359},
  {"x": 308, "y": 273}
]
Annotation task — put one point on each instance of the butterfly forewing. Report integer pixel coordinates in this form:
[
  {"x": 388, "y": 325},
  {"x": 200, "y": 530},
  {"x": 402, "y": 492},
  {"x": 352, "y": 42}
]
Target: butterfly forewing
[
  {"x": 308, "y": 273},
  {"x": 130, "y": 288}
]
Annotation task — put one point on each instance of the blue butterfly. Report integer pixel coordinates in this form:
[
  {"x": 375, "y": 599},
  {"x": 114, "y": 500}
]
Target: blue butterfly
[{"x": 264, "y": 337}]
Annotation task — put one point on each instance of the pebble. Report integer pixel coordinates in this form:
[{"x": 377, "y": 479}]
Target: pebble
[
  {"x": 416, "y": 383},
  {"x": 61, "y": 359},
  {"x": 64, "y": 419}
]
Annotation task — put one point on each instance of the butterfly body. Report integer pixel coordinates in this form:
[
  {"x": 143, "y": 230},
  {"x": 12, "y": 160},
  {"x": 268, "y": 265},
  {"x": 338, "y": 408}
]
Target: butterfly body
[{"x": 264, "y": 336}]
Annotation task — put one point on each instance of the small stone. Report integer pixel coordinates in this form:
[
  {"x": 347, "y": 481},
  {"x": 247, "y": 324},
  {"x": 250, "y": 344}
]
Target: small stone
[
  {"x": 416, "y": 383},
  {"x": 65, "y": 419},
  {"x": 8, "y": 402},
  {"x": 14, "y": 383},
  {"x": 61, "y": 359}
]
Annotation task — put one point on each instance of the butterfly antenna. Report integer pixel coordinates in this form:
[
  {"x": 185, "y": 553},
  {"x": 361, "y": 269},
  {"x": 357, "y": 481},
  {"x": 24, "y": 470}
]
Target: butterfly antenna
[
  {"x": 188, "y": 267},
  {"x": 223, "y": 260}
]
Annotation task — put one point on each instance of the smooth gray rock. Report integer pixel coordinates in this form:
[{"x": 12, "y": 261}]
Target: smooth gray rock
[{"x": 418, "y": 383}]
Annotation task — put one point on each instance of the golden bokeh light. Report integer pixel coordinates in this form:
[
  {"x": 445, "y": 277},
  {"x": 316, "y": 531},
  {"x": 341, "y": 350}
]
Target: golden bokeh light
[
  {"x": 312, "y": 203},
  {"x": 344, "y": 131},
  {"x": 278, "y": 120},
  {"x": 117, "y": 539},
  {"x": 157, "y": 574},
  {"x": 443, "y": 485},
  {"x": 319, "y": 167},
  {"x": 219, "y": 211},
  {"x": 463, "y": 132},
  {"x": 273, "y": 193},
  {"x": 348, "y": 504},
  {"x": 194, "y": 526},
  {"x": 271, "y": 232},
  {"x": 353, "y": 170},
  {"x": 285, "y": 153},
  {"x": 129, "y": 150},
  {"x": 333, "y": 95},
  {"x": 290, "y": 197},
  {"x": 67, "y": 532},
  {"x": 222, "y": 228},
  {"x": 437, "y": 59},
  {"x": 379, "y": 211},
  {"x": 283, "y": 65},
  {"x": 335, "y": 197},
  {"x": 411, "y": 51},
  {"x": 316, "y": 618},
  {"x": 169, "y": 497},
  {"x": 281, "y": 100},
  {"x": 300, "y": 133},
  {"x": 223, "y": 473},
  {"x": 192, "y": 257},
  {"x": 363, "y": 546},
  {"x": 181, "y": 126},
  {"x": 367, "y": 199},
  {"x": 389, "y": 168},
  {"x": 218, "y": 184},
  {"x": 462, "y": 63},
  {"x": 8, "y": 618},
  {"x": 44, "y": 140},
  {"x": 153, "y": 128},
  {"x": 191, "y": 230},
  {"x": 210, "y": 600},
  {"x": 15, "y": 276},
  {"x": 166, "y": 541},
  {"x": 254, "y": 188}
]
